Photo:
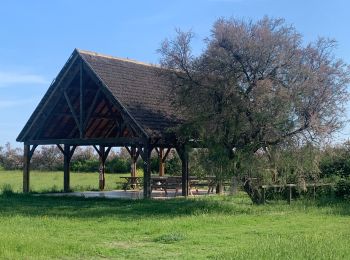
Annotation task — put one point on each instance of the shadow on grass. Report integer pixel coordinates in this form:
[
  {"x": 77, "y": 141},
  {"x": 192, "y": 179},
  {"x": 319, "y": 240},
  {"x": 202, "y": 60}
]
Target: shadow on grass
[
  {"x": 76, "y": 207},
  {"x": 123, "y": 209},
  {"x": 334, "y": 205}
]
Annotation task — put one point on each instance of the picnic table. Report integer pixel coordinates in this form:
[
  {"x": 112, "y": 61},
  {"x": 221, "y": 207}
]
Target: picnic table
[
  {"x": 165, "y": 183},
  {"x": 209, "y": 181},
  {"x": 175, "y": 182},
  {"x": 132, "y": 182}
]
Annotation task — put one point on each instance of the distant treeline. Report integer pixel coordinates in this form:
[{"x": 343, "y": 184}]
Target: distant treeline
[
  {"x": 331, "y": 161},
  {"x": 85, "y": 159}
]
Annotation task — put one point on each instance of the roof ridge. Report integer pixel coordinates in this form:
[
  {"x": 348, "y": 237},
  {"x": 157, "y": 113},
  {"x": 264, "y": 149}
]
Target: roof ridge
[{"x": 117, "y": 58}]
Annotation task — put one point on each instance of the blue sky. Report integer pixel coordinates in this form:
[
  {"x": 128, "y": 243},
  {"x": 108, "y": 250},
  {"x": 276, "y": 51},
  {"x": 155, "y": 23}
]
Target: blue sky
[{"x": 37, "y": 37}]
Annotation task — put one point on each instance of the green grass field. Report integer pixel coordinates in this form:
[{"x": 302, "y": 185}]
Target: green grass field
[
  {"x": 53, "y": 181},
  {"x": 216, "y": 227}
]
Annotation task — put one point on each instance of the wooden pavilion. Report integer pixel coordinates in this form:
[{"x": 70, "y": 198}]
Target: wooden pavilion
[{"x": 106, "y": 102}]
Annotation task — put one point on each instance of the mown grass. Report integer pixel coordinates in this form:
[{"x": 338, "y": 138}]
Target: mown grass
[
  {"x": 53, "y": 181},
  {"x": 218, "y": 227}
]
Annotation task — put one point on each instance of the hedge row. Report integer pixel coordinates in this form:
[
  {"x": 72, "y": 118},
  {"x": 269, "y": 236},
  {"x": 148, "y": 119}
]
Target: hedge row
[{"x": 120, "y": 165}]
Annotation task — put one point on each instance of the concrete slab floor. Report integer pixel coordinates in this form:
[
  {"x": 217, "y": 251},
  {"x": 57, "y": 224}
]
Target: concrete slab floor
[{"x": 129, "y": 194}]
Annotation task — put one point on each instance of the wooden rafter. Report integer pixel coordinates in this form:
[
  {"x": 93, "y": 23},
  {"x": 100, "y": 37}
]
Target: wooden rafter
[
  {"x": 114, "y": 125},
  {"x": 48, "y": 113},
  {"x": 70, "y": 150},
  {"x": 72, "y": 110},
  {"x": 103, "y": 151},
  {"x": 88, "y": 116},
  {"x": 124, "y": 113},
  {"x": 166, "y": 154},
  {"x": 60, "y": 148}
]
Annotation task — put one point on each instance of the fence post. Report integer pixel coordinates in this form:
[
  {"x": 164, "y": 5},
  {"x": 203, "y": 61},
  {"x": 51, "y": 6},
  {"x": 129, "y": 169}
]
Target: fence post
[
  {"x": 263, "y": 187},
  {"x": 289, "y": 193}
]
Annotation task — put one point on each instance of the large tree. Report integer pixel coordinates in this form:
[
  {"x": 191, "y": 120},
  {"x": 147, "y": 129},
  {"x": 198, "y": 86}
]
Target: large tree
[{"x": 257, "y": 84}]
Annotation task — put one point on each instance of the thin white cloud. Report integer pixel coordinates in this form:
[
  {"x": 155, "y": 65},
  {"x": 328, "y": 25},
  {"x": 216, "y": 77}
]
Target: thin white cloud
[{"x": 15, "y": 78}]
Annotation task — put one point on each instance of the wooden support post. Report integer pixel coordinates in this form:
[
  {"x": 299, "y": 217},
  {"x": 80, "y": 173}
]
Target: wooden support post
[
  {"x": 134, "y": 154},
  {"x": 67, "y": 152},
  {"x": 66, "y": 168},
  {"x": 314, "y": 191},
  {"x": 103, "y": 154},
  {"x": 101, "y": 178},
  {"x": 133, "y": 161},
  {"x": 146, "y": 156},
  {"x": 26, "y": 168},
  {"x": 161, "y": 162},
  {"x": 183, "y": 154},
  {"x": 27, "y": 156},
  {"x": 185, "y": 175}
]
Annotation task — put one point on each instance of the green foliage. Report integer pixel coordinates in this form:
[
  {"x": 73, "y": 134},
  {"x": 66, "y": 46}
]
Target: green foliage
[
  {"x": 196, "y": 166},
  {"x": 155, "y": 164},
  {"x": 173, "y": 166},
  {"x": 213, "y": 162},
  {"x": 282, "y": 193},
  {"x": 117, "y": 165},
  {"x": 85, "y": 166},
  {"x": 342, "y": 188},
  {"x": 325, "y": 191},
  {"x": 335, "y": 166}
]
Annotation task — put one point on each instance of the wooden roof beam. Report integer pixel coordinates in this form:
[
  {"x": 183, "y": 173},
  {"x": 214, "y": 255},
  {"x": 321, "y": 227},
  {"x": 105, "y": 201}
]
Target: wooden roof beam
[{"x": 119, "y": 141}]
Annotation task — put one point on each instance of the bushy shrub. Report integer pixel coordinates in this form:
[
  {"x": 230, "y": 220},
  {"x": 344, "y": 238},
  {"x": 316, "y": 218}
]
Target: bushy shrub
[
  {"x": 173, "y": 166},
  {"x": 154, "y": 164},
  {"x": 118, "y": 165},
  {"x": 318, "y": 191},
  {"x": 342, "y": 188},
  {"x": 336, "y": 166},
  {"x": 85, "y": 166}
]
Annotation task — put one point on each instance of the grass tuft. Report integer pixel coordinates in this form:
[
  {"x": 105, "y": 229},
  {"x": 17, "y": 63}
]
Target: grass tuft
[
  {"x": 170, "y": 238},
  {"x": 6, "y": 190}
]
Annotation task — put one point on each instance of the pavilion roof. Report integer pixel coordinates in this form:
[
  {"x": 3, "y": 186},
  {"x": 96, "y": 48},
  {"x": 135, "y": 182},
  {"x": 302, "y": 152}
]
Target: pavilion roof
[{"x": 144, "y": 96}]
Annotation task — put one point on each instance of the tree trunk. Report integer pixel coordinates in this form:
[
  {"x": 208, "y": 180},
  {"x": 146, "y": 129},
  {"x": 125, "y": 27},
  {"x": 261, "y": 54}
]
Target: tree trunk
[
  {"x": 253, "y": 192},
  {"x": 219, "y": 188},
  {"x": 234, "y": 186}
]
